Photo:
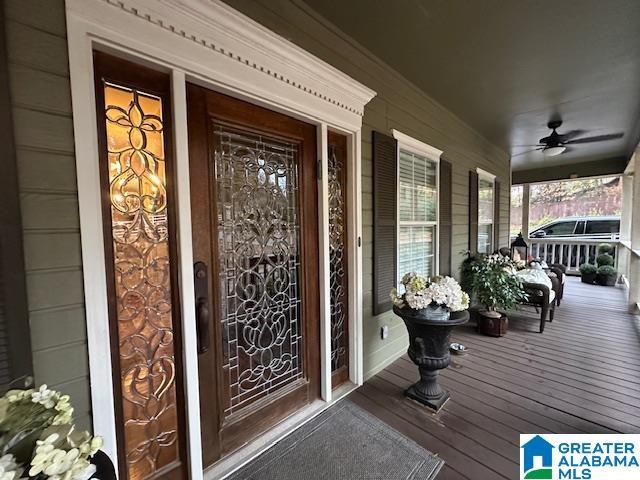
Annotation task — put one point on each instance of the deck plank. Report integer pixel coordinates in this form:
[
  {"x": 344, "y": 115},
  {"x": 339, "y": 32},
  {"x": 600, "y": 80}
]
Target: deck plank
[{"x": 580, "y": 376}]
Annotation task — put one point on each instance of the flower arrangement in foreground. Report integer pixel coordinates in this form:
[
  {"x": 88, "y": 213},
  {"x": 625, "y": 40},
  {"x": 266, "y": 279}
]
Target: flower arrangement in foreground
[
  {"x": 420, "y": 293},
  {"x": 38, "y": 439}
]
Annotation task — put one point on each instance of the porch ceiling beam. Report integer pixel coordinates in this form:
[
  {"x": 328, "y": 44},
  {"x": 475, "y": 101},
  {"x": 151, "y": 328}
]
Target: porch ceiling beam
[{"x": 609, "y": 166}]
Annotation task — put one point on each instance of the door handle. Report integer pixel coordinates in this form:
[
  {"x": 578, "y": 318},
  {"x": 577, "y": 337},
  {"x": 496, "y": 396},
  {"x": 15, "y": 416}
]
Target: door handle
[
  {"x": 202, "y": 326},
  {"x": 201, "y": 288}
]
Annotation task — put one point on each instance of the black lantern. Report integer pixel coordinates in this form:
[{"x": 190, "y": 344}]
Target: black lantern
[{"x": 519, "y": 249}]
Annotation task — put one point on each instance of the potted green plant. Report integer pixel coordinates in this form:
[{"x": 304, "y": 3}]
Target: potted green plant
[
  {"x": 605, "y": 248},
  {"x": 495, "y": 287},
  {"x": 604, "y": 259},
  {"x": 606, "y": 276},
  {"x": 588, "y": 273}
]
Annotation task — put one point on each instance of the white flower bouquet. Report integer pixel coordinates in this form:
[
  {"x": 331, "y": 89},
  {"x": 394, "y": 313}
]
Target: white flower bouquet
[
  {"x": 420, "y": 293},
  {"x": 38, "y": 439}
]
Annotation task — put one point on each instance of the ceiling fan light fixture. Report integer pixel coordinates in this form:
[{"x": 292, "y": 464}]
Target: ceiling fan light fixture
[{"x": 553, "y": 151}]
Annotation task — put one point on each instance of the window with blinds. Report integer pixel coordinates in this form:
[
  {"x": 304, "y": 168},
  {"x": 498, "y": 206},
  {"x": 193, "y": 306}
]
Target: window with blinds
[
  {"x": 417, "y": 214},
  {"x": 485, "y": 215}
]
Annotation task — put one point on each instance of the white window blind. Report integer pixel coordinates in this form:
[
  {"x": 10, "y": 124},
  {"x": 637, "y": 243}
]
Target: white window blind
[
  {"x": 485, "y": 215},
  {"x": 417, "y": 213}
]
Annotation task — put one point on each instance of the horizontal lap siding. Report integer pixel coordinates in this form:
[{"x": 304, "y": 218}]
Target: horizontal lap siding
[
  {"x": 398, "y": 105},
  {"x": 41, "y": 101},
  {"x": 44, "y": 137}
]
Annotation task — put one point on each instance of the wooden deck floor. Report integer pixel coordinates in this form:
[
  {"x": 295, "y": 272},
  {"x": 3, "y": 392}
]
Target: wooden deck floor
[{"x": 582, "y": 375}]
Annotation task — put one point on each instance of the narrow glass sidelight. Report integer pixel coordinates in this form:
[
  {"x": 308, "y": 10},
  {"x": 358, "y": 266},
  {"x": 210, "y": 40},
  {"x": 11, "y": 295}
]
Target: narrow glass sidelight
[
  {"x": 138, "y": 196},
  {"x": 339, "y": 298},
  {"x": 141, "y": 281}
]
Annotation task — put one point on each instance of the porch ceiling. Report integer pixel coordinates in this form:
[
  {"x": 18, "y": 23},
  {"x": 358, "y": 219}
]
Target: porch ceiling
[{"x": 506, "y": 67}]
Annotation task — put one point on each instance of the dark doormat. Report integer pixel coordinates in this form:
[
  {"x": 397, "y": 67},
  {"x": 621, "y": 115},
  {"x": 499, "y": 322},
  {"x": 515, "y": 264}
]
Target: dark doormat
[{"x": 343, "y": 443}]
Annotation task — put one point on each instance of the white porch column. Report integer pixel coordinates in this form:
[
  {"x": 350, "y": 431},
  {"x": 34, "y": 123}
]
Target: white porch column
[
  {"x": 623, "y": 256},
  {"x": 627, "y": 206},
  {"x": 634, "y": 231},
  {"x": 525, "y": 210}
]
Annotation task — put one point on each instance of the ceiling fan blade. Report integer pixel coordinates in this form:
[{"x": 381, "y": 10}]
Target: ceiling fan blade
[
  {"x": 528, "y": 151},
  {"x": 564, "y": 137},
  {"x": 530, "y": 145},
  {"x": 597, "y": 138}
]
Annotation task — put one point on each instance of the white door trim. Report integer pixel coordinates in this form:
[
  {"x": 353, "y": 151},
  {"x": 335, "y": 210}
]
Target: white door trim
[{"x": 206, "y": 42}]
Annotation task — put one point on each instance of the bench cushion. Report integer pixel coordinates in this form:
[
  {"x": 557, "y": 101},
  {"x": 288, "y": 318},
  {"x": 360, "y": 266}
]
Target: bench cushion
[{"x": 534, "y": 275}]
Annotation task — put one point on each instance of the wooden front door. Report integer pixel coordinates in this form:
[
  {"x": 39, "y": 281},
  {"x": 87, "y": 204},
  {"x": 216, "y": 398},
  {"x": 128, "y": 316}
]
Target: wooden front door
[{"x": 255, "y": 245}]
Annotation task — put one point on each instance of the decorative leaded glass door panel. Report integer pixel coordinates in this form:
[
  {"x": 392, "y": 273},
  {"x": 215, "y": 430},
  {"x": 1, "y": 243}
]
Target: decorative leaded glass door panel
[
  {"x": 338, "y": 262},
  {"x": 136, "y": 167},
  {"x": 254, "y": 214}
]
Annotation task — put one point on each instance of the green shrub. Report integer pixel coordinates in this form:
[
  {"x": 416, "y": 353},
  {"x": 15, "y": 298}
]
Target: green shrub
[
  {"x": 604, "y": 259},
  {"x": 493, "y": 284},
  {"x": 588, "y": 269},
  {"x": 466, "y": 274},
  {"x": 607, "y": 271},
  {"x": 605, "y": 248}
]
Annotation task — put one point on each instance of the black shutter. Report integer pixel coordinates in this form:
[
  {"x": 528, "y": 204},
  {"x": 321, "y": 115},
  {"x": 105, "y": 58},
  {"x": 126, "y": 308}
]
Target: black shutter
[
  {"x": 473, "y": 212},
  {"x": 385, "y": 150},
  {"x": 496, "y": 217},
  {"x": 446, "y": 217},
  {"x": 15, "y": 345}
]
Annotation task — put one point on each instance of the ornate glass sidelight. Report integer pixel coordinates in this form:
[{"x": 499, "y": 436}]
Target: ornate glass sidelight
[
  {"x": 259, "y": 251},
  {"x": 141, "y": 266},
  {"x": 338, "y": 258}
]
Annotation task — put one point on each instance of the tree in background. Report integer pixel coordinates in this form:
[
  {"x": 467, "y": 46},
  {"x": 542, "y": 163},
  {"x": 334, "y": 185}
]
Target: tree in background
[
  {"x": 585, "y": 197},
  {"x": 516, "y": 209}
]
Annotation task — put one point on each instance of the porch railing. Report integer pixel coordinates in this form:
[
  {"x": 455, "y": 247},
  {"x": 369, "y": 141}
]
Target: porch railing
[
  {"x": 569, "y": 252},
  {"x": 626, "y": 257}
]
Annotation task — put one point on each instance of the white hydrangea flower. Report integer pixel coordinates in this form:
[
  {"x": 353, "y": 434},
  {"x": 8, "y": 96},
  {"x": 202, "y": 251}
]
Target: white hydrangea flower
[
  {"x": 45, "y": 397},
  {"x": 396, "y": 299},
  {"x": 421, "y": 292},
  {"x": 439, "y": 292},
  {"x": 58, "y": 464},
  {"x": 9, "y": 468},
  {"x": 419, "y": 299},
  {"x": 17, "y": 395},
  {"x": 408, "y": 277},
  {"x": 95, "y": 445}
]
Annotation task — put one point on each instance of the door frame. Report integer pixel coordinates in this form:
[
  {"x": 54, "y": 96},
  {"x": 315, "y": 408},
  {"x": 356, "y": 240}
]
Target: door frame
[{"x": 211, "y": 44}]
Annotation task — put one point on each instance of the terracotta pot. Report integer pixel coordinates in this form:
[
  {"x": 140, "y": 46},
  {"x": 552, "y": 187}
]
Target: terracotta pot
[
  {"x": 492, "y": 323},
  {"x": 429, "y": 338}
]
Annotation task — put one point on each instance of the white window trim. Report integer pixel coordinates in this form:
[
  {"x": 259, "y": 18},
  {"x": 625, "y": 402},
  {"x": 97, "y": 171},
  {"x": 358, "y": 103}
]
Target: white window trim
[
  {"x": 412, "y": 145},
  {"x": 486, "y": 175},
  {"x": 209, "y": 43},
  {"x": 490, "y": 177}
]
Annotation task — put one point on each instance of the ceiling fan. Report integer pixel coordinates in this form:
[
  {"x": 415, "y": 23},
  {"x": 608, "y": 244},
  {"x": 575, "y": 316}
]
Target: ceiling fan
[{"x": 557, "y": 143}]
